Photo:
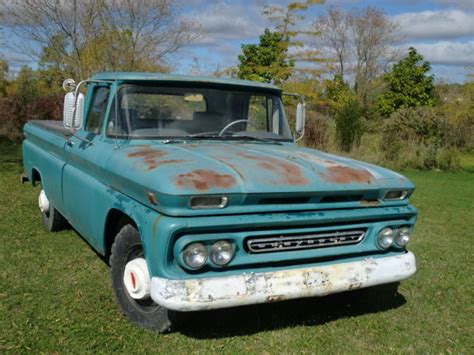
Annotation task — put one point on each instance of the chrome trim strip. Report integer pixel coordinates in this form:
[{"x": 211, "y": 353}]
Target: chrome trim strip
[
  {"x": 297, "y": 242},
  {"x": 223, "y": 204},
  {"x": 402, "y": 196}
]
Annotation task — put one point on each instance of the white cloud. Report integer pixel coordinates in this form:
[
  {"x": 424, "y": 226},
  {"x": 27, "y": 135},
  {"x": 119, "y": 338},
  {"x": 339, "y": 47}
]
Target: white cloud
[
  {"x": 446, "y": 53},
  {"x": 222, "y": 21},
  {"x": 444, "y": 24},
  {"x": 463, "y": 4}
]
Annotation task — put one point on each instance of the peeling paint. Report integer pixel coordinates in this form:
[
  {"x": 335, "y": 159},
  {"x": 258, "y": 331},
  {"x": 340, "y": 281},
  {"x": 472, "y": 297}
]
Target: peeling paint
[
  {"x": 369, "y": 202},
  {"x": 346, "y": 175},
  {"x": 151, "y": 157},
  {"x": 288, "y": 173},
  {"x": 204, "y": 180},
  {"x": 251, "y": 288}
]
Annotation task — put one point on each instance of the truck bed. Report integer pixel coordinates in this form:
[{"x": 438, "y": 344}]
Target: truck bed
[{"x": 52, "y": 126}]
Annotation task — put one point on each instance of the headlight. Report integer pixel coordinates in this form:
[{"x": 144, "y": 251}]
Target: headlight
[
  {"x": 385, "y": 238},
  {"x": 403, "y": 237},
  {"x": 195, "y": 255},
  {"x": 222, "y": 253}
]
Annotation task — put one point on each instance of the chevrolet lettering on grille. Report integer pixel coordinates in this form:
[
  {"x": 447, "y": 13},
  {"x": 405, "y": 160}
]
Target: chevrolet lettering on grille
[{"x": 294, "y": 242}]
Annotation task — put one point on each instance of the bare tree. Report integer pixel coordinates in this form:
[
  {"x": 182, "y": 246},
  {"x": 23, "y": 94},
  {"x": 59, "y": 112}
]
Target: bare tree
[
  {"x": 100, "y": 34},
  {"x": 360, "y": 41},
  {"x": 334, "y": 35}
]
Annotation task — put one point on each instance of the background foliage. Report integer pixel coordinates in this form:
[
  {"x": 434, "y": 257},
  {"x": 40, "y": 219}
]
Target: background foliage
[{"x": 363, "y": 98}]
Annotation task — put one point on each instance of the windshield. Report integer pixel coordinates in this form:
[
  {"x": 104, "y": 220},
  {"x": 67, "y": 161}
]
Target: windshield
[{"x": 160, "y": 112}]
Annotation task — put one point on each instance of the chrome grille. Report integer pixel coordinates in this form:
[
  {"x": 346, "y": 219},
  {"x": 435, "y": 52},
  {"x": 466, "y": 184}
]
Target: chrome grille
[{"x": 306, "y": 241}]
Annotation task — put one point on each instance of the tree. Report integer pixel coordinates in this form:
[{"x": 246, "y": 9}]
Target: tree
[
  {"x": 360, "y": 41},
  {"x": 408, "y": 84},
  {"x": 333, "y": 28},
  {"x": 287, "y": 21},
  {"x": 266, "y": 61},
  {"x": 3, "y": 77},
  {"x": 108, "y": 34}
]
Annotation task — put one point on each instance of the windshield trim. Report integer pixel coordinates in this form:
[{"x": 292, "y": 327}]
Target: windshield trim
[{"x": 205, "y": 86}]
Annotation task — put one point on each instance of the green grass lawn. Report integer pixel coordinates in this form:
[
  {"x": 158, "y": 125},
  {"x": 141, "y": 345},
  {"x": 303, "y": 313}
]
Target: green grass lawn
[{"x": 56, "y": 295}]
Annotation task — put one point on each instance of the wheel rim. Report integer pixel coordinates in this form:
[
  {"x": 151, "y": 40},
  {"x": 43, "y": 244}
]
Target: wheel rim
[
  {"x": 144, "y": 304},
  {"x": 43, "y": 203}
]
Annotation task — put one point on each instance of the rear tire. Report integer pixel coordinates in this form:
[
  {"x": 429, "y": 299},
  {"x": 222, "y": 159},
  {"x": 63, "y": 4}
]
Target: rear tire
[{"x": 144, "y": 312}]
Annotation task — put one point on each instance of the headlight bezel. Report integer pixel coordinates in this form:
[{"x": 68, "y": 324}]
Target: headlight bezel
[
  {"x": 190, "y": 246},
  {"x": 213, "y": 252},
  {"x": 383, "y": 234},
  {"x": 403, "y": 231}
]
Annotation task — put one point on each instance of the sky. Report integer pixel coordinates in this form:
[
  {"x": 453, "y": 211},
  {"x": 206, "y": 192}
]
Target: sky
[{"x": 441, "y": 30}]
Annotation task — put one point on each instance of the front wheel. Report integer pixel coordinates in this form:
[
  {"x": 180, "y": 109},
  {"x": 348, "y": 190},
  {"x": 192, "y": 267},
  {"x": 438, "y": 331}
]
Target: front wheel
[
  {"x": 52, "y": 220},
  {"x": 131, "y": 283}
]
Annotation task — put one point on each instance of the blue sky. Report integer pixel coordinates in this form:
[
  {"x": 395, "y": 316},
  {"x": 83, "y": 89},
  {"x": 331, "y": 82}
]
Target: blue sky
[{"x": 441, "y": 30}]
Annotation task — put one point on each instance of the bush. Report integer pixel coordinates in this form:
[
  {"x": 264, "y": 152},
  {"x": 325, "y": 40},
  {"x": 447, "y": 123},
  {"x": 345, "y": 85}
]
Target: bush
[
  {"x": 349, "y": 125},
  {"x": 317, "y": 130},
  {"x": 418, "y": 138},
  {"x": 16, "y": 111}
]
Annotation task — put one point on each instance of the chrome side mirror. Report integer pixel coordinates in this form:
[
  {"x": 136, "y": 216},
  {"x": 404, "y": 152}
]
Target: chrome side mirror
[
  {"x": 73, "y": 107},
  {"x": 300, "y": 119}
]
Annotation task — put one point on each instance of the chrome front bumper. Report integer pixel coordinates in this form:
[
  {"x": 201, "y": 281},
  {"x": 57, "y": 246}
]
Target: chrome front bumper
[{"x": 252, "y": 288}]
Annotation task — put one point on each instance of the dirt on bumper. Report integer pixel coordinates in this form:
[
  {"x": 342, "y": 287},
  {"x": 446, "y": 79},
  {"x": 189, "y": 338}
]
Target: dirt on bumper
[{"x": 252, "y": 288}]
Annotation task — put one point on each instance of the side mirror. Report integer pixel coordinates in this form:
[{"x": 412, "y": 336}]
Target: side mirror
[
  {"x": 73, "y": 110},
  {"x": 300, "y": 118}
]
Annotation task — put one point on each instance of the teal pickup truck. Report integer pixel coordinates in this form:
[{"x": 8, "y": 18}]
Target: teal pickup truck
[{"x": 196, "y": 193}]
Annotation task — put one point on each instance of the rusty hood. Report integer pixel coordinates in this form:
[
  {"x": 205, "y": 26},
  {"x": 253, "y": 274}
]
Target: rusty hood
[{"x": 240, "y": 168}]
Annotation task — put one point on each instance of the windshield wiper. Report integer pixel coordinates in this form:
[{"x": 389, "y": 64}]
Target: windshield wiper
[{"x": 258, "y": 139}]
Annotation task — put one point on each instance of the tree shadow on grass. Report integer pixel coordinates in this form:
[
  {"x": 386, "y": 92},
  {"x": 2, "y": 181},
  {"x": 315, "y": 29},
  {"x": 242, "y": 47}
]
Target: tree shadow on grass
[{"x": 249, "y": 320}]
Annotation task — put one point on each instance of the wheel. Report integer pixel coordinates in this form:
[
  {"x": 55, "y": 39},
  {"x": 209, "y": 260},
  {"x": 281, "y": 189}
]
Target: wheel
[
  {"x": 131, "y": 283},
  {"x": 52, "y": 220}
]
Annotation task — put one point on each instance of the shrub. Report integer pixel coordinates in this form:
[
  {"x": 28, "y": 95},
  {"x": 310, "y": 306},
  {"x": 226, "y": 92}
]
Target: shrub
[
  {"x": 349, "y": 125},
  {"x": 317, "y": 130},
  {"x": 417, "y": 138},
  {"x": 16, "y": 111}
]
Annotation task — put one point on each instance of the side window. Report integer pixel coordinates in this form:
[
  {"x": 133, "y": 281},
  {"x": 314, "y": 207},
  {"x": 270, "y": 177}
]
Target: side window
[
  {"x": 258, "y": 113},
  {"x": 97, "y": 110}
]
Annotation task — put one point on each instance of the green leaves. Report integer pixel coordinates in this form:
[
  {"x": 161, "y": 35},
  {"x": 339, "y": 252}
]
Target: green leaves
[
  {"x": 408, "y": 85},
  {"x": 266, "y": 61}
]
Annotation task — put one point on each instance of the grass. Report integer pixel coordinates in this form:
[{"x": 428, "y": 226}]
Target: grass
[{"x": 56, "y": 294}]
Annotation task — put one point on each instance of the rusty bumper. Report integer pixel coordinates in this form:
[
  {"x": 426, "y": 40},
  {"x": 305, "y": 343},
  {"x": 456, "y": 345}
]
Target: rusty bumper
[{"x": 252, "y": 288}]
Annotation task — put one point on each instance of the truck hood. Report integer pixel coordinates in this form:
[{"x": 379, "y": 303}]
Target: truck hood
[{"x": 171, "y": 171}]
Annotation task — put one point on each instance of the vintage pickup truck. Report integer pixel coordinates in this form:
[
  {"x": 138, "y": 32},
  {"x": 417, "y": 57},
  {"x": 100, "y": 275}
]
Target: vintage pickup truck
[{"x": 197, "y": 195}]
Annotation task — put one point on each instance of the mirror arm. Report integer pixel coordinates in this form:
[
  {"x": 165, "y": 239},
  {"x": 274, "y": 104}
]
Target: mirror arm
[
  {"x": 293, "y": 94},
  {"x": 72, "y": 134},
  {"x": 76, "y": 93}
]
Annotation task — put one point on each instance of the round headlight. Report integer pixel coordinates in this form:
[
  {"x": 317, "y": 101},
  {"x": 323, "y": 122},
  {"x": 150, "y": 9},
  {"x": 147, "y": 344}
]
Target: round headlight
[
  {"x": 195, "y": 255},
  {"x": 385, "y": 238},
  {"x": 403, "y": 237},
  {"x": 222, "y": 253}
]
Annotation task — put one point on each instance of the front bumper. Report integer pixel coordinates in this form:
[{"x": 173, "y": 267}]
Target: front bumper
[{"x": 252, "y": 288}]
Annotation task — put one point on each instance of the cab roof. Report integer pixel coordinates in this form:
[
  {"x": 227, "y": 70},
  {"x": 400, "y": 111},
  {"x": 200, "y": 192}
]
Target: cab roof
[{"x": 169, "y": 78}]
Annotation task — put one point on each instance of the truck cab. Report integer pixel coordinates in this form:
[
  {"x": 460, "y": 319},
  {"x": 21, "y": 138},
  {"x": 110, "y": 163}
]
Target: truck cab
[{"x": 197, "y": 194}]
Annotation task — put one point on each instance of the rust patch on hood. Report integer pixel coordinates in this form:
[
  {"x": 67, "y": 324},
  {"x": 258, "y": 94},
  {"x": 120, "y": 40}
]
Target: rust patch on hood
[
  {"x": 204, "y": 180},
  {"x": 288, "y": 173},
  {"x": 345, "y": 175},
  {"x": 151, "y": 157}
]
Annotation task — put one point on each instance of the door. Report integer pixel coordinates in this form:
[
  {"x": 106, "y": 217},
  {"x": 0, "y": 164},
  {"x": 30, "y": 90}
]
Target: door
[{"x": 86, "y": 156}]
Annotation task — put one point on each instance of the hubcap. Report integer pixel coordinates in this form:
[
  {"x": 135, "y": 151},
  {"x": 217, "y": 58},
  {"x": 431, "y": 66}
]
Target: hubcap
[
  {"x": 43, "y": 202},
  {"x": 137, "y": 279}
]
